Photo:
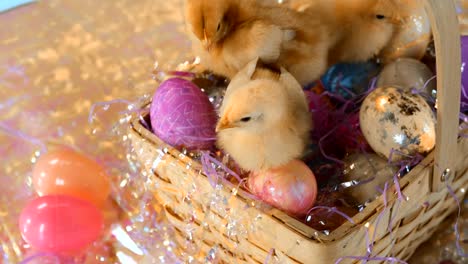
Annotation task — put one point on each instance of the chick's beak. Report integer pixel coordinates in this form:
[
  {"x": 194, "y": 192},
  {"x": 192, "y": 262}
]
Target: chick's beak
[
  {"x": 223, "y": 124},
  {"x": 207, "y": 43}
]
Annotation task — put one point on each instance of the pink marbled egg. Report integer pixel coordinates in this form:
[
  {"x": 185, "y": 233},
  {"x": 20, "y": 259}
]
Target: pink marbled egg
[
  {"x": 291, "y": 187},
  {"x": 182, "y": 115}
]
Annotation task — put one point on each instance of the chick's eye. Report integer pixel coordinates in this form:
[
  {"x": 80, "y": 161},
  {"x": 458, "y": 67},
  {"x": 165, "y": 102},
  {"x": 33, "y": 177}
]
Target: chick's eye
[
  {"x": 219, "y": 27},
  {"x": 246, "y": 119},
  {"x": 380, "y": 16}
]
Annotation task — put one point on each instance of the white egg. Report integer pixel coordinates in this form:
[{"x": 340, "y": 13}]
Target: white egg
[
  {"x": 365, "y": 174},
  {"x": 412, "y": 35},
  {"x": 407, "y": 73},
  {"x": 396, "y": 122}
]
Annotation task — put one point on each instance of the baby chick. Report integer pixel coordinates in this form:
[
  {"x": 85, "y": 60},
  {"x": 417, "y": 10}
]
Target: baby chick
[
  {"x": 227, "y": 34},
  {"x": 360, "y": 28},
  {"x": 264, "y": 119}
]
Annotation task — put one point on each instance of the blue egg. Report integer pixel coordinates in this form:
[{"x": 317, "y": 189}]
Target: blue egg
[{"x": 349, "y": 79}]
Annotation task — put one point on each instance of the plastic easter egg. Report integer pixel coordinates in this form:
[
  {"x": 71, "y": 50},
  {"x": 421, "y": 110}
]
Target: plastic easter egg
[
  {"x": 365, "y": 174},
  {"x": 407, "y": 73},
  {"x": 412, "y": 34},
  {"x": 349, "y": 79},
  {"x": 60, "y": 224},
  {"x": 464, "y": 69},
  {"x": 395, "y": 121},
  {"x": 67, "y": 172},
  {"x": 291, "y": 187},
  {"x": 182, "y": 116}
]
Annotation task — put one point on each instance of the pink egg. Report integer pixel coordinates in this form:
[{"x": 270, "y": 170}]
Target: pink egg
[
  {"x": 60, "y": 224},
  {"x": 291, "y": 188},
  {"x": 182, "y": 115}
]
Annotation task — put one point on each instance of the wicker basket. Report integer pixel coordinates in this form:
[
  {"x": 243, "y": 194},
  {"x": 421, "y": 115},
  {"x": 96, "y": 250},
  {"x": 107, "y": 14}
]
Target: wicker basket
[{"x": 413, "y": 220}]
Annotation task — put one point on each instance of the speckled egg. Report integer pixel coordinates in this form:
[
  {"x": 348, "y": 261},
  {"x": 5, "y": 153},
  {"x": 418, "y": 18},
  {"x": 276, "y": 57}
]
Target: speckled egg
[
  {"x": 407, "y": 73},
  {"x": 395, "y": 119}
]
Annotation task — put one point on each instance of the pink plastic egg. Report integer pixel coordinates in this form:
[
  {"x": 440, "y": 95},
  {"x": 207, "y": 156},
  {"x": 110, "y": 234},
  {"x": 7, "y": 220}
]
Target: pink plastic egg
[
  {"x": 182, "y": 115},
  {"x": 60, "y": 224},
  {"x": 291, "y": 187}
]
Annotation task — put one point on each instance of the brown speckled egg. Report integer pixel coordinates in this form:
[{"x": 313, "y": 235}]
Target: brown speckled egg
[{"x": 394, "y": 118}]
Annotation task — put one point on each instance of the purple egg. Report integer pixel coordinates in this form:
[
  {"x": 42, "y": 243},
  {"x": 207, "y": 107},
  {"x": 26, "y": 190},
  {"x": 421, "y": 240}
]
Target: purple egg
[
  {"x": 182, "y": 115},
  {"x": 464, "y": 69}
]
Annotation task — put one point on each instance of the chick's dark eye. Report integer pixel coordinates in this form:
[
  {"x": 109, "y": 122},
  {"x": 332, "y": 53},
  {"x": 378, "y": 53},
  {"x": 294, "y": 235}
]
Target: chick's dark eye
[
  {"x": 380, "y": 16},
  {"x": 219, "y": 27},
  {"x": 246, "y": 119}
]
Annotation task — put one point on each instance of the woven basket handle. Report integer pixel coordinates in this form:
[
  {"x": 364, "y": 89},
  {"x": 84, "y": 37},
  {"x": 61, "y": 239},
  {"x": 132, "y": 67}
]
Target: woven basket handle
[{"x": 445, "y": 28}]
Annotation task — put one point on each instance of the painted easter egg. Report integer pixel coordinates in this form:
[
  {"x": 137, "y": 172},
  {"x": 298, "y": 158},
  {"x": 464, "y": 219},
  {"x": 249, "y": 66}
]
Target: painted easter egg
[
  {"x": 60, "y": 224},
  {"x": 291, "y": 187},
  {"x": 65, "y": 171},
  {"x": 396, "y": 122},
  {"x": 412, "y": 35},
  {"x": 365, "y": 174},
  {"x": 182, "y": 115},
  {"x": 349, "y": 79},
  {"x": 408, "y": 73}
]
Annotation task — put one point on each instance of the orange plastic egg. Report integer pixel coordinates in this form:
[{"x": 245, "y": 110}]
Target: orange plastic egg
[{"x": 68, "y": 172}]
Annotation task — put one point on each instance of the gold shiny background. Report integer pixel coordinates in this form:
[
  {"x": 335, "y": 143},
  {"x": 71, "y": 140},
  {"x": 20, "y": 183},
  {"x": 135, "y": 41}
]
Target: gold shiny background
[{"x": 57, "y": 59}]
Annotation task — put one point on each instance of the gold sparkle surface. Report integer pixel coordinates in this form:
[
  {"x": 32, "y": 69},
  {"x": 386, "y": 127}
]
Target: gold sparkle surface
[{"x": 57, "y": 59}]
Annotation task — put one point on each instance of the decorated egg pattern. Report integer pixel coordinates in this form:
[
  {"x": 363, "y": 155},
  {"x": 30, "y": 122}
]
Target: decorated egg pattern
[
  {"x": 182, "y": 115},
  {"x": 291, "y": 187},
  {"x": 396, "y": 122}
]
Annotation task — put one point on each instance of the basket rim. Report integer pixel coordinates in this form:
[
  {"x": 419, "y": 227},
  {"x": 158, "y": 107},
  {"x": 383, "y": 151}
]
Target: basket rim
[{"x": 342, "y": 231}]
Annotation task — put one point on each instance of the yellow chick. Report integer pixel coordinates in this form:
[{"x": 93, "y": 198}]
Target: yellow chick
[
  {"x": 360, "y": 28},
  {"x": 264, "y": 119},
  {"x": 227, "y": 34}
]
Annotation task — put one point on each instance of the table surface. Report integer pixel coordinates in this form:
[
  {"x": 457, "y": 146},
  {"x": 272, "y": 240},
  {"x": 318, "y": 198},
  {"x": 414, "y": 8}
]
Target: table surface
[{"x": 58, "y": 58}]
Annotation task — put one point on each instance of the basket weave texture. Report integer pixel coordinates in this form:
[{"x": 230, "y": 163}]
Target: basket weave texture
[{"x": 412, "y": 221}]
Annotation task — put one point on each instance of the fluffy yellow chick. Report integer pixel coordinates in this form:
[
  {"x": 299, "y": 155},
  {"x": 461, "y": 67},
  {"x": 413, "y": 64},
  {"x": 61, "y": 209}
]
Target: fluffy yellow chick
[
  {"x": 264, "y": 119},
  {"x": 227, "y": 34},
  {"x": 360, "y": 28}
]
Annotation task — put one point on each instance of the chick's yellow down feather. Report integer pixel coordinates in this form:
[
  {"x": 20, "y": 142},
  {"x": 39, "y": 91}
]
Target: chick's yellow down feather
[
  {"x": 264, "y": 119},
  {"x": 227, "y": 34},
  {"x": 360, "y": 29}
]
